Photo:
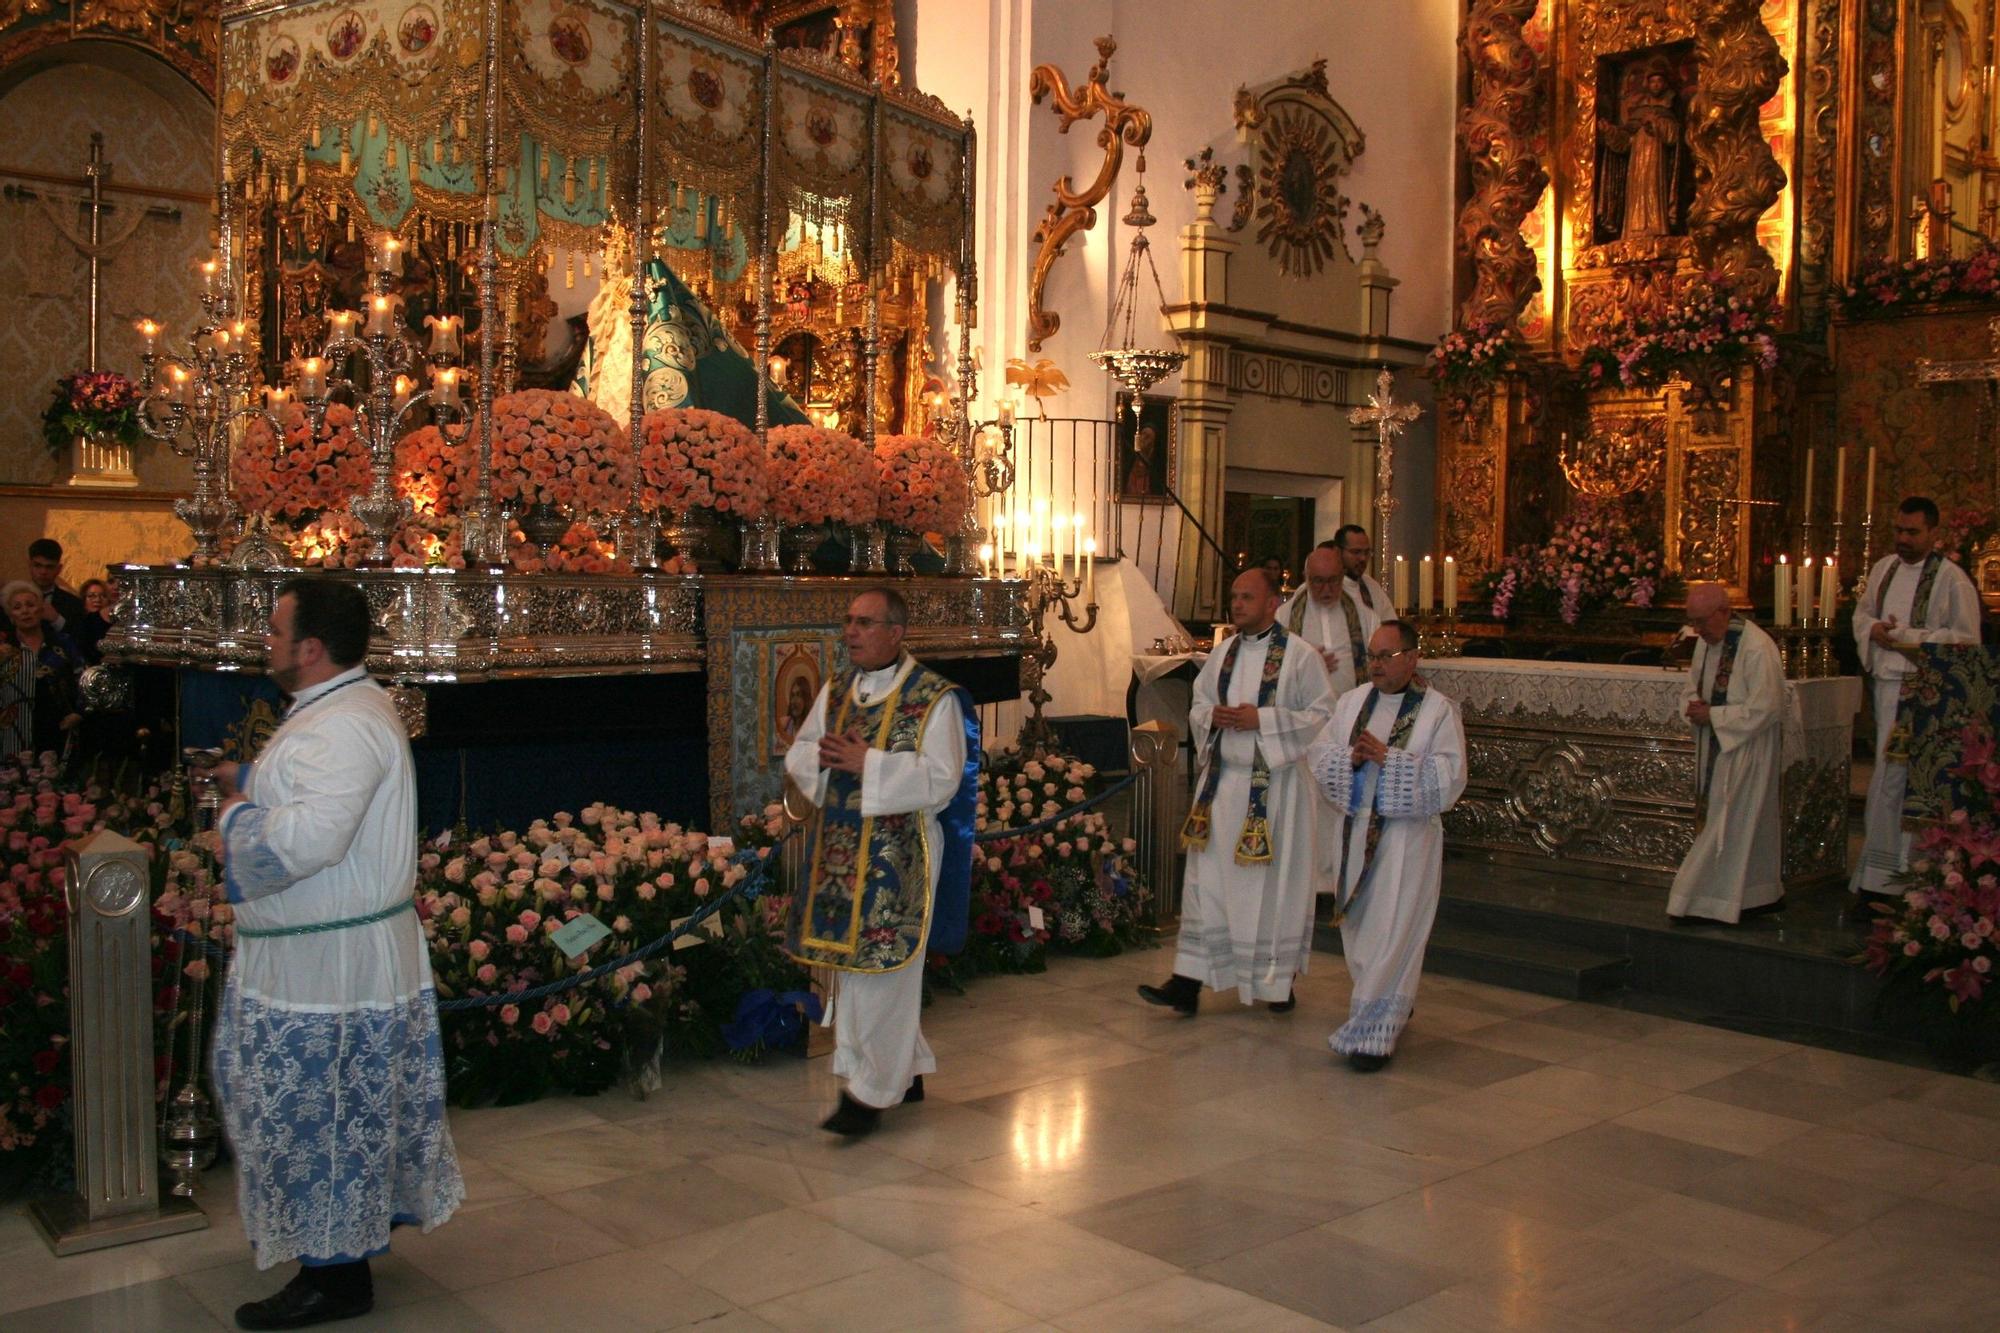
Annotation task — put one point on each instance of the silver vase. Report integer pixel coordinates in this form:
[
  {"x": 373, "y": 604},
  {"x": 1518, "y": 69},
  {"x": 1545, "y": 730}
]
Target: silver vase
[
  {"x": 759, "y": 547},
  {"x": 868, "y": 543},
  {"x": 801, "y": 540},
  {"x": 902, "y": 545}
]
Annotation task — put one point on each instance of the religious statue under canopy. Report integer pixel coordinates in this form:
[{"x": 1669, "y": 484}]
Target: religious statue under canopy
[{"x": 1639, "y": 156}]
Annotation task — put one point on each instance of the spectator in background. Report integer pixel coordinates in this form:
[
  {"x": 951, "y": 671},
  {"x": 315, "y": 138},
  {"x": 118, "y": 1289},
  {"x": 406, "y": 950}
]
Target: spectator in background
[
  {"x": 95, "y": 622},
  {"x": 38, "y": 670}
]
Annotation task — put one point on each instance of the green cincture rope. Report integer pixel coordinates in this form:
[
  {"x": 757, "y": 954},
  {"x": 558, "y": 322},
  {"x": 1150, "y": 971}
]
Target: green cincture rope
[{"x": 318, "y": 927}]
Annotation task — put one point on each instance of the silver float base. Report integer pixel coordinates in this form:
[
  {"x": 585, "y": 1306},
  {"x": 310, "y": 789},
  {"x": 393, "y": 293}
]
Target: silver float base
[{"x": 65, "y": 1223}]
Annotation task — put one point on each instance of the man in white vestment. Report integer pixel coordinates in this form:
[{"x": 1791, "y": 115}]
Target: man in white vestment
[
  {"x": 1392, "y": 761},
  {"x": 1914, "y": 597},
  {"x": 889, "y": 758},
  {"x": 1335, "y": 613},
  {"x": 1741, "y": 711},
  {"x": 327, "y": 1054},
  {"x": 1247, "y": 900}
]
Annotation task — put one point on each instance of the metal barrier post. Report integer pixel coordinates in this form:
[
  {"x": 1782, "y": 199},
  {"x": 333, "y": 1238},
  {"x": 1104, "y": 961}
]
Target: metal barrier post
[
  {"x": 1158, "y": 807},
  {"x": 792, "y": 869}
]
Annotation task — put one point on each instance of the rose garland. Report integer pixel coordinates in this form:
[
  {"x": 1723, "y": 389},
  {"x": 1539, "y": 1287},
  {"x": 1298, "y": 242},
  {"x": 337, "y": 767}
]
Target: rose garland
[
  {"x": 694, "y": 458},
  {"x": 303, "y": 475},
  {"x": 559, "y": 449},
  {"x": 920, "y": 484},
  {"x": 820, "y": 476}
]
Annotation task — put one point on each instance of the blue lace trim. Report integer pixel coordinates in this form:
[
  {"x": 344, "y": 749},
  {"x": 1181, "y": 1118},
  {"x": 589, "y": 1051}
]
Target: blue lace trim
[
  {"x": 1409, "y": 787},
  {"x": 252, "y": 869},
  {"x": 1372, "y": 1027}
]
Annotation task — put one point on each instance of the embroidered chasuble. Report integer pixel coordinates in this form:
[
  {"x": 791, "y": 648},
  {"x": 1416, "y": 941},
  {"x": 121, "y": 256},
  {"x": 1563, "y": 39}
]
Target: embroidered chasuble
[
  {"x": 1246, "y": 910},
  {"x": 888, "y": 853},
  {"x": 1387, "y": 825},
  {"x": 1738, "y": 852},
  {"x": 1932, "y": 601}
]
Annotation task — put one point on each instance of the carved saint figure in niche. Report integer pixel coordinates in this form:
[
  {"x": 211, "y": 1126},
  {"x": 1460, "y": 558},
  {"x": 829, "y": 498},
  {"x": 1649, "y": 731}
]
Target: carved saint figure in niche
[{"x": 1639, "y": 156}]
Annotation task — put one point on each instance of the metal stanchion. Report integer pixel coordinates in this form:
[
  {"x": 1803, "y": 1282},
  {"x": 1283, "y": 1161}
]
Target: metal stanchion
[
  {"x": 792, "y": 870},
  {"x": 1157, "y": 811},
  {"x": 117, "y": 1197}
]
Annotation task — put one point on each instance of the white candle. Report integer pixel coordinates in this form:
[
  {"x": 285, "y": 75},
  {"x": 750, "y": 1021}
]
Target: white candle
[
  {"x": 1812, "y": 460},
  {"x": 180, "y": 385},
  {"x": 340, "y": 323},
  {"x": 1425, "y": 585},
  {"x": 1076, "y": 544},
  {"x": 444, "y": 334},
  {"x": 381, "y": 316},
  {"x": 149, "y": 329},
  {"x": 1868, "y": 495},
  {"x": 986, "y": 560},
  {"x": 403, "y": 387},
  {"x": 1090, "y": 571},
  {"x": 275, "y": 399},
  {"x": 389, "y": 255},
  {"x": 1399, "y": 588},
  {"x": 312, "y": 378},
  {"x": 1058, "y": 526},
  {"x": 1839, "y": 481},
  {"x": 1804, "y": 607},
  {"x": 1450, "y": 585},
  {"x": 1829, "y": 589},
  {"x": 1781, "y": 592}
]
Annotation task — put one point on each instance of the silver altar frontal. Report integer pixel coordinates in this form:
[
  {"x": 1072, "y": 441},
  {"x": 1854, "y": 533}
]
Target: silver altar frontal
[{"x": 1592, "y": 768}]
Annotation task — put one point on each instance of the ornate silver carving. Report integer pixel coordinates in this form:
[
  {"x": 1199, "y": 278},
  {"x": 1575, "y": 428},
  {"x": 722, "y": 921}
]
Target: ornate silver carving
[{"x": 1560, "y": 797}]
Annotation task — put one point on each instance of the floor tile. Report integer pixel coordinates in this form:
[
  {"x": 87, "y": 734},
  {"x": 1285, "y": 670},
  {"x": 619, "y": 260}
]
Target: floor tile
[
  {"x": 159, "y": 1306},
  {"x": 1183, "y": 1302},
  {"x": 1581, "y": 1091},
  {"x": 1874, "y": 1276},
  {"x": 1797, "y": 1195},
  {"x": 1549, "y": 1187},
  {"x": 1970, "y": 1096},
  {"x": 30, "y": 1275},
  {"x": 896, "y": 1297},
  {"x": 1758, "y": 1310},
  {"x": 921, "y": 1214},
  {"x": 1837, "y": 1069},
  {"x": 627, "y": 1290},
  {"x": 1932, "y": 1127},
  {"x": 1635, "y": 1155},
  {"x": 1714, "y": 1124},
  {"x": 1478, "y": 1307},
  {"x": 397, "y": 1283},
  {"x": 771, "y": 1255},
  {"x": 1712, "y": 1236},
  {"x": 1446, "y": 1231},
  {"x": 1330, "y": 1276},
  {"x": 570, "y": 1159},
  {"x": 1621, "y": 1285},
  {"x": 1190, "y": 1222},
  {"x": 499, "y": 1243},
  {"x": 1866, "y": 1160},
  {"x": 1761, "y": 1089},
  {"x": 1048, "y": 1268},
  {"x": 1539, "y": 1041},
  {"x": 657, "y": 1205},
  {"x": 1975, "y": 1188}
]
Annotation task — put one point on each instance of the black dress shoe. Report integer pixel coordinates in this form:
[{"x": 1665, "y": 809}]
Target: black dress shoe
[
  {"x": 916, "y": 1092},
  {"x": 1366, "y": 1064},
  {"x": 1183, "y": 994},
  {"x": 1286, "y": 1005},
  {"x": 304, "y": 1303},
  {"x": 851, "y": 1119}
]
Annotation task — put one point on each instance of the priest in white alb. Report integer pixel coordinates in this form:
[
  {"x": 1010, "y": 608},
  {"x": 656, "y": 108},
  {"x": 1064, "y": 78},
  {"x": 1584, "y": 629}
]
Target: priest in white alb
[
  {"x": 1741, "y": 713},
  {"x": 1247, "y": 900},
  {"x": 1392, "y": 761},
  {"x": 1339, "y": 607},
  {"x": 1914, "y": 597}
]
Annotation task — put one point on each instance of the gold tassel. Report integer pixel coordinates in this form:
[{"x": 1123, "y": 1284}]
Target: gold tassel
[
  {"x": 315, "y": 135},
  {"x": 569, "y": 271},
  {"x": 569, "y": 186},
  {"x": 389, "y": 158},
  {"x": 346, "y": 158},
  {"x": 373, "y": 124},
  {"x": 586, "y": 266},
  {"x": 591, "y": 185},
  {"x": 544, "y": 162}
]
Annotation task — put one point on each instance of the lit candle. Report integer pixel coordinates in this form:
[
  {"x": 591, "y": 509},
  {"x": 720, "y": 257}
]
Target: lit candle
[
  {"x": 1829, "y": 589},
  {"x": 1839, "y": 482},
  {"x": 312, "y": 378},
  {"x": 1006, "y": 412},
  {"x": 404, "y": 385},
  {"x": 340, "y": 323},
  {"x": 1031, "y": 557},
  {"x": 180, "y": 384},
  {"x": 444, "y": 385},
  {"x": 381, "y": 316},
  {"x": 1450, "y": 585},
  {"x": 986, "y": 560},
  {"x": 1058, "y": 525},
  {"x": 149, "y": 329},
  {"x": 244, "y": 332},
  {"x": 1076, "y": 542},
  {"x": 444, "y": 334},
  {"x": 1090, "y": 571},
  {"x": 1781, "y": 592},
  {"x": 1804, "y": 607},
  {"x": 208, "y": 269},
  {"x": 1868, "y": 495},
  {"x": 1425, "y": 585},
  {"x": 389, "y": 255},
  {"x": 1399, "y": 585},
  {"x": 1812, "y": 461},
  {"x": 220, "y": 337}
]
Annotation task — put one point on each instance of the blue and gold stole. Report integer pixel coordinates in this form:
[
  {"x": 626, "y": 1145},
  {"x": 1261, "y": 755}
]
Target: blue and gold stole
[
  {"x": 1355, "y": 640},
  {"x": 1920, "y": 605},
  {"x": 1718, "y": 695},
  {"x": 867, "y": 904},
  {"x": 1359, "y": 792},
  {"x": 1253, "y": 844}
]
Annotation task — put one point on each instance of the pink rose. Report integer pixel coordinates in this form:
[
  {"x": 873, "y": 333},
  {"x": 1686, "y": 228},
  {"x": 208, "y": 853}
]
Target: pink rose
[
  {"x": 486, "y": 974},
  {"x": 510, "y": 1014},
  {"x": 542, "y": 1023}
]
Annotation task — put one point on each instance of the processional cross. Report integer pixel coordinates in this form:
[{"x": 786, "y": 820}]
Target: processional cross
[
  {"x": 1985, "y": 370},
  {"x": 1388, "y": 417}
]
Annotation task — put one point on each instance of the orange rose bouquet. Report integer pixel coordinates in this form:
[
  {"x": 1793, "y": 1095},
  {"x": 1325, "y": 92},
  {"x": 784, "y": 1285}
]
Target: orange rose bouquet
[
  {"x": 558, "y": 449},
  {"x": 820, "y": 476},
  {"x": 582, "y": 550},
  {"x": 694, "y": 458},
  {"x": 920, "y": 484},
  {"x": 431, "y": 472},
  {"x": 300, "y": 475}
]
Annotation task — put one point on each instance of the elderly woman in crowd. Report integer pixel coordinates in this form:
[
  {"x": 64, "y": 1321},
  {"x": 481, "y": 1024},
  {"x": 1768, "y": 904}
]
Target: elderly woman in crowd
[{"x": 38, "y": 671}]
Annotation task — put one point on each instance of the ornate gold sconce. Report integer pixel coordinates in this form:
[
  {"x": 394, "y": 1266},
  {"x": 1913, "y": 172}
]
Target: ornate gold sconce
[{"x": 1617, "y": 456}]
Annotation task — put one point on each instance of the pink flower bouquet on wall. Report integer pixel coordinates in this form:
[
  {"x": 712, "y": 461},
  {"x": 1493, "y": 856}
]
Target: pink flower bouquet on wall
[
  {"x": 558, "y": 449},
  {"x": 695, "y": 458},
  {"x": 920, "y": 484},
  {"x": 820, "y": 476},
  {"x": 301, "y": 475}
]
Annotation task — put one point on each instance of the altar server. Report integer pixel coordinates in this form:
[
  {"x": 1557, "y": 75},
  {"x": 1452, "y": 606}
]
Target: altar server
[
  {"x": 1247, "y": 900},
  {"x": 1742, "y": 714},
  {"x": 1914, "y": 597},
  {"x": 1392, "y": 761},
  {"x": 327, "y": 1054},
  {"x": 889, "y": 757}
]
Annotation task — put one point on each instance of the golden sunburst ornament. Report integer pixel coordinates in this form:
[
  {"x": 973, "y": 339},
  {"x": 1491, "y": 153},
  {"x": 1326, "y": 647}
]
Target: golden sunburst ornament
[{"x": 1301, "y": 213}]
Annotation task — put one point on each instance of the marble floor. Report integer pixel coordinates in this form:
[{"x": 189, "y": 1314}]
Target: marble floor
[{"x": 1085, "y": 1162}]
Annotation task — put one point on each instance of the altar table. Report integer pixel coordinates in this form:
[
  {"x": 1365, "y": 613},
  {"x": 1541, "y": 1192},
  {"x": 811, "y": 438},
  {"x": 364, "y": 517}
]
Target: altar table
[{"x": 1591, "y": 768}]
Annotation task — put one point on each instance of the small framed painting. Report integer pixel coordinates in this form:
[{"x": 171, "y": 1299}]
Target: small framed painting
[{"x": 1147, "y": 447}]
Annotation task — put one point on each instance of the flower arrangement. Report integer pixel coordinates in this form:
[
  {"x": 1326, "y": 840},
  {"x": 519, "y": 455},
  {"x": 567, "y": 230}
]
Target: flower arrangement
[
  {"x": 581, "y": 550},
  {"x": 1595, "y": 558},
  {"x": 556, "y": 448},
  {"x": 695, "y": 458},
  {"x": 430, "y": 472},
  {"x": 1941, "y": 939},
  {"x": 1883, "y": 288},
  {"x": 920, "y": 484},
  {"x": 301, "y": 475},
  {"x": 92, "y": 402},
  {"x": 1466, "y": 360},
  {"x": 820, "y": 476},
  {"x": 1965, "y": 530},
  {"x": 1702, "y": 340}
]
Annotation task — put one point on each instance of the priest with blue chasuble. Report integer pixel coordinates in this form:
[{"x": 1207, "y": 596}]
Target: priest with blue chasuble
[
  {"x": 1247, "y": 900},
  {"x": 889, "y": 756}
]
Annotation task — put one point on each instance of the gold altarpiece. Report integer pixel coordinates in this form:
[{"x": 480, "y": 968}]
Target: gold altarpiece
[{"x": 1619, "y": 155}]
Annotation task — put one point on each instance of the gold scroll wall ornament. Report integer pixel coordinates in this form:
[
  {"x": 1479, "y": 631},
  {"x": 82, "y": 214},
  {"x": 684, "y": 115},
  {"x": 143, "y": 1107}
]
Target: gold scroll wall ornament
[
  {"x": 1736, "y": 177},
  {"x": 1496, "y": 132},
  {"x": 1305, "y": 143},
  {"x": 1076, "y": 210}
]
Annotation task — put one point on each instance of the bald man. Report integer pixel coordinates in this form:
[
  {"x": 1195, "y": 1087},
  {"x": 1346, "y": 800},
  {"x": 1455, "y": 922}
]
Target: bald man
[{"x": 1740, "y": 710}]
